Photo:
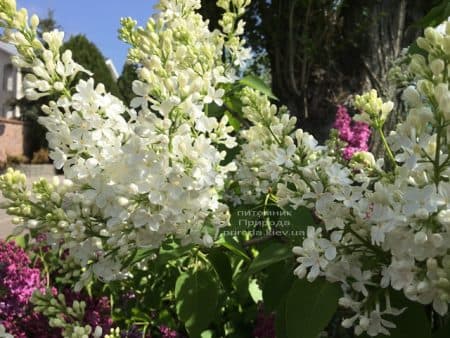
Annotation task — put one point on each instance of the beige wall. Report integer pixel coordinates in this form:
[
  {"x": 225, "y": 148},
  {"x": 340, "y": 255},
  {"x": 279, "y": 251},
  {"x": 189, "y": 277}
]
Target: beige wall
[{"x": 12, "y": 138}]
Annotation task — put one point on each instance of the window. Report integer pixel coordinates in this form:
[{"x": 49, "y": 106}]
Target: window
[{"x": 8, "y": 79}]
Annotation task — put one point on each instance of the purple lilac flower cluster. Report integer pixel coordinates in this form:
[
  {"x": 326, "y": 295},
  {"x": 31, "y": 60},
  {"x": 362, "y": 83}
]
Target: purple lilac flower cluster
[
  {"x": 355, "y": 134},
  {"x": 18, "y": 281},
  {"x": 264, "y": 325},
  {"x": 164, "y": 332},
  {"x": 97, "y": 312},
  {"x": 168, "y": 333}
]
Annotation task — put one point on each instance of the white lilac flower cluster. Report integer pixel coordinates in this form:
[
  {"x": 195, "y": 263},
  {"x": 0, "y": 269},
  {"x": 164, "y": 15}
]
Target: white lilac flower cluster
[
  {"x": 383, "y": 230},
  {"x": 137, "y": 175}
]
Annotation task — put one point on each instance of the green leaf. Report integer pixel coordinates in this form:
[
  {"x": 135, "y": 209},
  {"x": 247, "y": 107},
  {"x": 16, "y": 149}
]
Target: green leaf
[
  {"x": 241, "y": 284},
  {"x": 259, "y": 85},
  {"x": 280, "y": 320},
  {"x": 214, "y": 110},
  {"x": 171, "y": 252},
  {"x": 296, "y": 223},
  {"x": 21, "y": 241},
  {"x": 413, "y": 323},
  {"x": 435, "y": 16},
  {"x": 443, "y": 332},
  {"x": 138, "y": 255},
  {"x": 207, "y": 334},
  {"x": 310, "y": 307},
  {"x": 222, "y": 265},
  {"x": 196, "y": 301},
  {"x": 273, "y": 253},
  {"x": 231, "y": 244},
  {"x": 234, "y": 122},
  {"x": 277, "y": 285},
  {"x": 234, "y": 104}
]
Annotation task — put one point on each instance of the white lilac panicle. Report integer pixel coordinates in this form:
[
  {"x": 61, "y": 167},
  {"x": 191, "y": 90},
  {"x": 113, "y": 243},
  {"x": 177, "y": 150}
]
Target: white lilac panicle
[
  {"x": 156, "y": 174},
  {"x": 383, "y": 228}
]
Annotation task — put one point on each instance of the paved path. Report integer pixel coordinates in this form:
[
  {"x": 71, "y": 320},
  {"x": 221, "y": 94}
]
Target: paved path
[{"x": 6, "y": 226}]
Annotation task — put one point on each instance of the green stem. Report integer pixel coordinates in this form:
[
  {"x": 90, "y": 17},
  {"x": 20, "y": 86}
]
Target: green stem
[
  {"x": 376, "y": 250},
  {"x": 437, "y": 156},
  {"x": 386, "y": 146},
  {"x": 266, "y": 217},
  {"x": 274, "y": 136}
]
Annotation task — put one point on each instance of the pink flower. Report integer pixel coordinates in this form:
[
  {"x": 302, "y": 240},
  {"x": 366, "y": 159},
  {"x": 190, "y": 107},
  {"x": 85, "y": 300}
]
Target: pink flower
[
  {"x": 355, "y": 134},
  {"x": 264, "y": 325},
  {"x": 18, "y": 281}
]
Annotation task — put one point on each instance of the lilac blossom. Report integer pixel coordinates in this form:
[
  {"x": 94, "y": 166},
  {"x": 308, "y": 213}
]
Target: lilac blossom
[
  {"x": 265, "y": 324},
  {"x": 356, "y": 135}
]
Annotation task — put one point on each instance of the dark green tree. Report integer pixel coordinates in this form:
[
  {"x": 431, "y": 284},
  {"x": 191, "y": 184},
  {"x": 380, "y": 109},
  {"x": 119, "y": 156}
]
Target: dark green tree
[
  {"x": 125, "y": 82},
  {"x": 321, "y": 51},
  {"x": 48, "y": 23},
  {"x": 89, "y": 56}
]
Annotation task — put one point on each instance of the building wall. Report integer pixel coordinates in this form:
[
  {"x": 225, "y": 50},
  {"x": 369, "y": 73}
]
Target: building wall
[
  {"x": 10, "y": 86},
  {"x": 13, "y": 138}
]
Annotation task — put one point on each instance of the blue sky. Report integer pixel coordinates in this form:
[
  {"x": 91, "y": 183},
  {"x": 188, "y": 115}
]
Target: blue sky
[{"x": 99, "y": 20}]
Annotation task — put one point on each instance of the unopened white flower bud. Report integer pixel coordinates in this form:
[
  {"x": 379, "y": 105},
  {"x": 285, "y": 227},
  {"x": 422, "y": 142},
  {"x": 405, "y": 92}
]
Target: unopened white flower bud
[
  {"x": 55, "y": 197},
  {"x": 437, "y": 240},
  {"x": 431, "y": 35},
  {"x": 443, "y": 217},
  {"x": 423, "y": 286},
  {"x": 32, "y": 224},
  {"x": 443, "y": 283},
  {"x": 63, "y": 224},
  {"x": 420, "y": 238},
  {"x": 123, "y": 201},
  {"x": 425, "y": 87},
  {"x": 411, "y": 96},
  {"x": 348, "y": 322},
  {"x": 410, "y": 291},
  {"x": 98, "y": 332},
  {"x": 423, "y": 43},
  {"x": 34, "y": 21},
  {"x": 207, "y": 240},
  {"x": 446, "y": 44},
  {"x": 437, "y": 66},
  {"x": 421, "y": 213},
  {"x": 432, "y": 264},
  {"x": 364, "y": 322},
  {"x": 386, "y": 108},
  {"x": 58, "y": 85},
  {"x": 345, "y": 302}
]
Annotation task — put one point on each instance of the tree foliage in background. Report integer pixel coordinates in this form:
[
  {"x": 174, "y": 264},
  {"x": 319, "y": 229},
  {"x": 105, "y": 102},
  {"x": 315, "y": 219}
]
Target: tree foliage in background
[
  {"x": 315, "y": 49},
  {"x": 89, "y": 56},
  {"x": 48, "y": 23},
  {"x": 125, "y": 82}
]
